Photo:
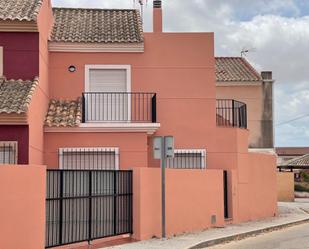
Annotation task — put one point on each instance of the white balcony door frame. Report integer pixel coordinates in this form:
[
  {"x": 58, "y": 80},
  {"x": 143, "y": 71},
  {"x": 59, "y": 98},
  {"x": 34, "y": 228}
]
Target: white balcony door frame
[{"x": 104, "y": 66}]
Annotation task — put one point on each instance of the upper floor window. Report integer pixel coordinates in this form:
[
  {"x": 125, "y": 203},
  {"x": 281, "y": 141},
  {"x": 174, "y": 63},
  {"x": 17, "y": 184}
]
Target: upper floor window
[
  {"x": 100, "y": 158},
  {"x": 188, "y": 159},
  {"x": 8, "y": 152}
]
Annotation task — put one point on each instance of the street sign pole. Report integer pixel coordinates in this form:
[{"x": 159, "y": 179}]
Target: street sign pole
[
  {"x": 163, "y": 166},
  {"x": 163, "y": 148}
]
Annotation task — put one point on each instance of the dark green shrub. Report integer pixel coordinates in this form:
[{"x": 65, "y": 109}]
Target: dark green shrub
[{"x": 300, "y": 188}]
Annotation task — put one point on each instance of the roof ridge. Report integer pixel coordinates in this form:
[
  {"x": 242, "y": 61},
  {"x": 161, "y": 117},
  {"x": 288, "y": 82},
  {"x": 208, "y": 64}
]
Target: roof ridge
[
  {"x": 228, "y": 57},
  {"x": 81, "y": 8}
]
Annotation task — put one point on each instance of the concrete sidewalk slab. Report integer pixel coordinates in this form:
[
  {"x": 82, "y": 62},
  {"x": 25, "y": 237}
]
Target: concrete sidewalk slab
[{"x": 289, "y": 214}]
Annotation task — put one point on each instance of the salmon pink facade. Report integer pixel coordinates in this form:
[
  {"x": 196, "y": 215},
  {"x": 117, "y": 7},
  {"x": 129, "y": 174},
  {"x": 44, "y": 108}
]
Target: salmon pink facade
[{"x": 103, "y": 96}]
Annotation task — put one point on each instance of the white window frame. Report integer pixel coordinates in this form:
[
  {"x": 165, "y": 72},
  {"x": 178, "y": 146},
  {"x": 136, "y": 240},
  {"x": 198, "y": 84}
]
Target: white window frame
[
  {"x": 89, "y": 149},
  {"x": 203, "y": 153},
  {"x": 1, "y": 61},
  {"x": 101, "y": 66},
  {"x": 104, "y": 66},
  {"x": 12, "y": 144}
]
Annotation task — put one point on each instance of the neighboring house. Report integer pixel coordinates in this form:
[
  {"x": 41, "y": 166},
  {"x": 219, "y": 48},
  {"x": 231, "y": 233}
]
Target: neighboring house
[
  {"x": 297, "y": 164},
  {"x": 104, "y": 89},
  {"x": 288, "y": 153},
  {"x": 237, "y": 79}
]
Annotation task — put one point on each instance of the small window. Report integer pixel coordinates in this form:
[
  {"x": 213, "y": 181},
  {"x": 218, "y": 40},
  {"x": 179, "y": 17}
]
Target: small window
[
  {"x": 89, "y": 158},
  {"x": 8, "y": 152},
  {"x": 188, "y": 159}
]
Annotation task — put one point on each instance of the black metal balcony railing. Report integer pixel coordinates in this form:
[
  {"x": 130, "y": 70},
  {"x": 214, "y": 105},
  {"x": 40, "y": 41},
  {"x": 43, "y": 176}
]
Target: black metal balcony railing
[
  {"x": 231, "y": 113},
  {"x": 119, "y": 107}
]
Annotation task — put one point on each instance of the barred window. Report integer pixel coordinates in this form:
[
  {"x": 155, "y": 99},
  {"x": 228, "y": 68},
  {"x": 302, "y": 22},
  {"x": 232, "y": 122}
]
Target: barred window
[
  {"x": 100, "y": 158},
  {"x": 8, "y": 152},
  {"x": 188, "y": 159}
]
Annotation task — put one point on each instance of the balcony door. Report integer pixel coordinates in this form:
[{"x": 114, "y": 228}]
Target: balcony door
[{"x": 107, "y": 95}]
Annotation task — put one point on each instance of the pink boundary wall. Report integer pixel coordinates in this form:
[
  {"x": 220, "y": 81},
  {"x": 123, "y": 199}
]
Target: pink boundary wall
[
  {"x": 22, "y": 206},
  {"x": 193, "y": 196}
]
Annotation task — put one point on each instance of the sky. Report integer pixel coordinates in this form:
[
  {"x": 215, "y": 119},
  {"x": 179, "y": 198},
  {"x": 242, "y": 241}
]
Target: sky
[{"x": 276, "y": 33}]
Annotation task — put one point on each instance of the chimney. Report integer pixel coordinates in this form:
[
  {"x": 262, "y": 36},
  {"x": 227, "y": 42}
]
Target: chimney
[
  {"x": 157, "y": 16},
  {"x": 267, "y": 127},
  {"x": 267, "y": 75}
]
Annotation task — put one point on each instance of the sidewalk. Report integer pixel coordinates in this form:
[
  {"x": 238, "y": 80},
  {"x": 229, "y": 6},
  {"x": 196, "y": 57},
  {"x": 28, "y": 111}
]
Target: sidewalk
[{"x": 289, "y": 213}]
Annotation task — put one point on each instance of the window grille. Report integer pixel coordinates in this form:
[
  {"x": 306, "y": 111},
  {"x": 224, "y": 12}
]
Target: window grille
[
  {"x": 100, "y": 158},
  {"x": 188, "y": 159},
  {"x": 8, "y": 152}
]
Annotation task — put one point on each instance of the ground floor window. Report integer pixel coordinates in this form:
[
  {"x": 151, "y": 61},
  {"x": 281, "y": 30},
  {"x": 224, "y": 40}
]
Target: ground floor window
[
  {"x": 100, "y": 158},
  {"x": 8, "y": 152},
  {"x": 188, "y": 159}
]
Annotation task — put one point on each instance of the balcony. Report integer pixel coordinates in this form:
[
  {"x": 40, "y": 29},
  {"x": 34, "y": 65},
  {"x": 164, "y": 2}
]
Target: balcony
[
  {"x": 119, "y": 107},
  {"x": 231, "y": 113}
]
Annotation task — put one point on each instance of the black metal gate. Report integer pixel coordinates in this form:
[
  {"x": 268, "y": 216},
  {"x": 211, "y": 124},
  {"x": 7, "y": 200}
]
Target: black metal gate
[{"x": 83, "y": 205}]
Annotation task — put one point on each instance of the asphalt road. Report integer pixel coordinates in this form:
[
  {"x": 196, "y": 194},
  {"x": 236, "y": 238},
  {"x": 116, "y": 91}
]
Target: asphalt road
[{"x": 296, "y": 237}]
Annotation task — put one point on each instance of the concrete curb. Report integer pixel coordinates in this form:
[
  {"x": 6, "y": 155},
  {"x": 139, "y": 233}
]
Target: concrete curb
[{"x": 244, "y": 235}]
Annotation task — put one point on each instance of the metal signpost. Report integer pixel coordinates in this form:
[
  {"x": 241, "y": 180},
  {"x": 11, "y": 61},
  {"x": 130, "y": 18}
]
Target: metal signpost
[{"x": 163, "y": 148}]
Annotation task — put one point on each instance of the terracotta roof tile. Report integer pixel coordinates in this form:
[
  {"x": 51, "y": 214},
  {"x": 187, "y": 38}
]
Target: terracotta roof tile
[
  {"x": 15, "y": 95},
  {"x": 235, "y": 69},
  {"x": 298, "y": 161},
  {"x": 64, "y": 113},
  {"x": 97, "y": 26},
  {"x": 21, "y": 10}
]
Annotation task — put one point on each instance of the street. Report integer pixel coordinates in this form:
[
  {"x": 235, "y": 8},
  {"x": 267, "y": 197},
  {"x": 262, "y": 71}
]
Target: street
[{"x": 296, "y": 237}]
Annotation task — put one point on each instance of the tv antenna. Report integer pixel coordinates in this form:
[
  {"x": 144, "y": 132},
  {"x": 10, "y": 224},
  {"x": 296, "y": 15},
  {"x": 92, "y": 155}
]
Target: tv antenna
[
  {"x": 245, "y": 51},
  {"x": 141, "y": 5}
]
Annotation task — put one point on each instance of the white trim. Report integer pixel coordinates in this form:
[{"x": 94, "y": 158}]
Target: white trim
[
  {"x": 95, "y": 47},
  {"x": 18, "y": 26},
  {"x": 239, "y": 83},
  {"x": 271, "y": 151},
  {"x": 88, "y": 67},
  {"x": 1, "y": 61},
  {"x": 149, "y": 128},
  {"x": 103, "y": 66},
  {"x": 195, "y": 151},
  {"x": 90, "y": 149}
]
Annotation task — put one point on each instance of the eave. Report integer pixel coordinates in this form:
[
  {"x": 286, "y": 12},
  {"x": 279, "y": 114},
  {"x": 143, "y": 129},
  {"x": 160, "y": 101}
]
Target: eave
[
  {"x": 18, "y": 26},
  {"x": 149, "y": 128},
  {"x": 96, "y": 47},
  {"x": 13, "y": 119},
  {"x": 238, "y": 83}
]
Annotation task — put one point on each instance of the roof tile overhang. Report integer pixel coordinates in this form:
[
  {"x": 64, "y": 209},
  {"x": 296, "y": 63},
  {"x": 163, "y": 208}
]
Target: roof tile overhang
[
  {"x": 96, "y": 29},
  {"x": 20, "y": 10},
  {"x": 15, "y": 98},
  {"x": 235, "y": 70},
  {"x": 298, "y": 161}
]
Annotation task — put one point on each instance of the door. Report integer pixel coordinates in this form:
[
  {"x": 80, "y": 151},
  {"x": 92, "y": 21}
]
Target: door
[{"x": 108, "y": 99}]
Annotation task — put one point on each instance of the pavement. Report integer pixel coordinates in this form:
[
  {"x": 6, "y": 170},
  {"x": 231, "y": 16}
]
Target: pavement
[
  {"x": 296, "y": 237},
  {"x": 289, "y": 214}
]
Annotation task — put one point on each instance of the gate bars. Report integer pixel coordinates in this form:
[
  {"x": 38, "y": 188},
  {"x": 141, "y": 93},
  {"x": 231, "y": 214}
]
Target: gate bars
[{"x": 83, "y": 205}]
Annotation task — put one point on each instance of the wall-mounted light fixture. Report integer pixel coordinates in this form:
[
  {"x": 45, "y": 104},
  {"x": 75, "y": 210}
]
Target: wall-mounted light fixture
[{"x": 72, "y": 69}]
